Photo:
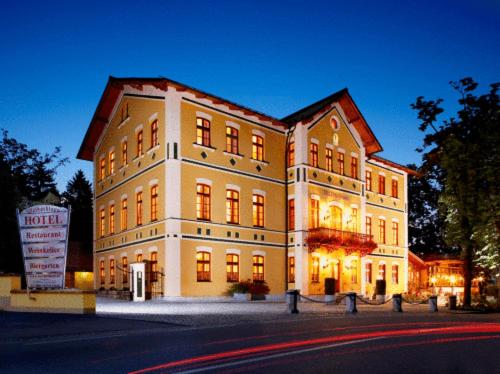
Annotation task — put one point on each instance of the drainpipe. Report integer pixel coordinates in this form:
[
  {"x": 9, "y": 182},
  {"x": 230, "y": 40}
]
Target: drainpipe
[{"x": 287, "y": 223}]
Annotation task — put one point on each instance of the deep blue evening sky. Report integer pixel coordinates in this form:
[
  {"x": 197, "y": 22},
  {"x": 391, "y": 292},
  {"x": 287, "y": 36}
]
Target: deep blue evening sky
[{"x": 276, "y": 57}]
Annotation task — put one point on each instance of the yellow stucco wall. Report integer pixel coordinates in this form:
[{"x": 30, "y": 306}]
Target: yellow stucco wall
[{"x": 63, "y": 301}]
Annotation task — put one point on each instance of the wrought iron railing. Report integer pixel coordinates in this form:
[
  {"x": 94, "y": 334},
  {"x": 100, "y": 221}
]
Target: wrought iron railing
[{"x": 341, "y": 235}]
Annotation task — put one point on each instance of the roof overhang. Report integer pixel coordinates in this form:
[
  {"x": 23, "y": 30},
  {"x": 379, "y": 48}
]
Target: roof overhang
[{"x": 394, "y": 165}]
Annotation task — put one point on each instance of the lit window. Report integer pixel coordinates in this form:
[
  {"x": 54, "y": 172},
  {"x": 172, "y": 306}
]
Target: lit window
[
  {"x": 138, "y": 257},
  {"x": 112, "y": 271},
  {"x": 154, "y": 266},
  {"x": 329, "y": 159},
  {"x": 336, "y": 217},
  {"x": 203, "y": 202},
  {"x": 395, "y": 236},
  {"x": 102, "y": 222},
  {"x": 381, "y": 232},
  {"x": 123, "y": 215},
  {"x": 124, "y": 153},
  {"x": 124, "y": 269},
  {"x": 291, "y": 269},
  {"x": 258, "y": 210},
  {"x": 203, "y": 132},
  {"x": 368, "y": 272},
  {"x": 314, "y": 155},
  {"x": 232, "y": 206},
  {"x": 233, "y": 267},
  {"x": 340, "y": 161},
  {"x": 112, "y": 219},
  {"x": 394, "y": 188},
  {"x": 381, "y": 184},
  {"x": 140, "y": 141},
  {"x": 154, "y": 134},
  {"x": 111, "y": 162},
  {"x": 395, "y": 274},
  {"x": 354, "y": 167},
  {"x": 232, "y": 140},
  {"x": 203, "y": 266},
  {"x": 138, "y": 208},
  {"x": 314, "y": 213},
  {"x": 368, "y": 225},
  {"x": 368, "y": 180},
  {"x": 102, "y": 168},
  {"x": 291, "y": 214},
  {"x": 258, "y": 268},
  {"x": 257, "y": 147},
  {"x": 154, "y": 203},
  {"x": 102, "y": 272},
  {"x": 354, "y": 271},
  {"x": 381, "y": 271},
  {"x": 291, "y": 154},
  {"x": 315, "y": 270},
  {"x": 354, "y": 220}
]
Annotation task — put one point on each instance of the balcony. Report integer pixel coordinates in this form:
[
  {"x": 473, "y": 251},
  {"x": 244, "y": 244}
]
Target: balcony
[{"x": 333, "y": 239}]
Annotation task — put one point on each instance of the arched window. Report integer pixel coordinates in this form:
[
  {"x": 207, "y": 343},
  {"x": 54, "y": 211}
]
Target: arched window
[{"x": 203, "y": 266}]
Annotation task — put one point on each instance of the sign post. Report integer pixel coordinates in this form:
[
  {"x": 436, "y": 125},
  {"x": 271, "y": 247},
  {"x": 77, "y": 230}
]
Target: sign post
[{"x": 44, "y": 234}]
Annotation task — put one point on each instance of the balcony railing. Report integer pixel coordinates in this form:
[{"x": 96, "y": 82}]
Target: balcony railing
[{"x": 333, "y": 239}]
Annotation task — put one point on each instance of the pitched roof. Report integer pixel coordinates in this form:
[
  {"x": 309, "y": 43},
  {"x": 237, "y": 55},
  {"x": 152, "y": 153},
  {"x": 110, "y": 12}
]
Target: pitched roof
[
  {"x": 394, "y": 165},
  {"x": 353, "y": 114}
]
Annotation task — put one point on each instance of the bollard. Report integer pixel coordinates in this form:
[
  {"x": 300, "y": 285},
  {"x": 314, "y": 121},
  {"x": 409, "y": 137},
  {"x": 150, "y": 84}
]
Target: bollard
[
  {"x": 397, "y": 300},
  {"x": 452, "y": 302},
  {"x": 291, "y": 301},
  {"x": 350, "y": 303},
  {"x": 433, "y": 303}
]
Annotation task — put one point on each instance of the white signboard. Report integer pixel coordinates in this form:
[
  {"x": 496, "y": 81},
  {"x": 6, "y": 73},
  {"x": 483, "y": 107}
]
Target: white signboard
[{"x": 44, "y": 233}]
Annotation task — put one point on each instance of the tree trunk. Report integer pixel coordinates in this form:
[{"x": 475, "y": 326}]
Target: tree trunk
[{"x": 467, "y": 256}]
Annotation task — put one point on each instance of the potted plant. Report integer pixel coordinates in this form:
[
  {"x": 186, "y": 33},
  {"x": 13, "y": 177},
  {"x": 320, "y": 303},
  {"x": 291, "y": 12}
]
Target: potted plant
[
  {"x": 259, "y": 290},
  {"x": 240, "y": 290}
]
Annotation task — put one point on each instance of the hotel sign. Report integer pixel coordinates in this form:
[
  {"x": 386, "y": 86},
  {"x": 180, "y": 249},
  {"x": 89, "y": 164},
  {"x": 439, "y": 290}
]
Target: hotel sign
[{"x": 44, "y": 231}]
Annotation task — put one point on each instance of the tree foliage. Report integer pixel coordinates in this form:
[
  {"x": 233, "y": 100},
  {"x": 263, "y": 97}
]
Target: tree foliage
[{"x": 462, "y": 158}]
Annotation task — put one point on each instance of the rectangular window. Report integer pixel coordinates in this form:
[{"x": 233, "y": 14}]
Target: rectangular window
[
  {"x": 154, "y": 133},
  {"x": 315, "y": 270},
  {"x": 257, "y": 147},
  {"x": 381, "y": 271},
  {"x": 314, "y": 213},
  {"x": 124, "y": 153},
  {"x": 394, "y": 188},
  {"x": 232, "y": 206},
  {"x": 291, "y": 214},
  {"x": 112, "y": 271},
  {"x": 340, "y": 161},
  {"x": 232, "y": 140},
  {"x": 354, "y": 219},
  {"x": 233, "y": 267},
  {"x": 203, "y": 132},
  {"x": 138, "y": 208},
  {"x": 329, "y": 159},
  {"x": 154, "y": 203},
  {"x": 102, "y": 168},
  {"x": 154, "y": 266},
  {"x": 368, "y": 180},
  {"x": 368, "y": 272},
  {"x": 102, "y": 272},
  {"x": 124, "y": 269},
  {"x": 258, "y": 210},
  {"x": 102, "y": 223},
  {"x": 291, "y": 269},
  {"x": 381, "y": 184},
  {"x": 124, "y": 215},
  {"x": 368, "y": 228},
  {"x": 140, "y": 143},
  {"x": 111, "y": 162},
  {"x": 381, "y": 230},
  {"x": 291, "y": 154},
  {"x": 203, "y": 202},
  {"x": 354, "y": 271},
  {"x": 203, "y": 266},
  {"x": 395, "y": 234},
  {"x": 314, "y": 155},
  {"x": 258, "y": 268},
  {"x": 354, "y": 167},
  {"x": 111, "y": 219},
  {"x": 395, "y": 274}
]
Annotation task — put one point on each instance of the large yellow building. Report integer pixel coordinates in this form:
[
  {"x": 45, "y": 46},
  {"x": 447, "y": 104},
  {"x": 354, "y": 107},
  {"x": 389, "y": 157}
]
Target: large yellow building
[{"x": 211, "y": 192}]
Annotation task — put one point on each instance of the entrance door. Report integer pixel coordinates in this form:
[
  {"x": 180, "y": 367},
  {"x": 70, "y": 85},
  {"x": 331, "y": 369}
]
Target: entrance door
[{"x": 336, "y": 274}]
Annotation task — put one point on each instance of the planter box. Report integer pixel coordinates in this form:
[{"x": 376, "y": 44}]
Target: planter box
[
  {"x": 258, "y": 297},
  {"x": 242, "y": 296}
]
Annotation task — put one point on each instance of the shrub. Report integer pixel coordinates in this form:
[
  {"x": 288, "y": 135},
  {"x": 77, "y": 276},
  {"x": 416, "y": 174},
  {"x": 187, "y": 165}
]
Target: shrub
[
  {"x": 259, "y": 288},
  {"x": 254, "y": 288}
]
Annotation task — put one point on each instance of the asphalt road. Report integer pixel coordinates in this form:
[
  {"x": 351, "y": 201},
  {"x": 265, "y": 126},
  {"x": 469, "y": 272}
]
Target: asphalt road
[{"x": 399, "y": 343}]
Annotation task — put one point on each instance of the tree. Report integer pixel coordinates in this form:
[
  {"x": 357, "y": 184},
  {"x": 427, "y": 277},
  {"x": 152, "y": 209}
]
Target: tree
[
  {"x": 464, "y": 154},
  {"x": 78, "y": 195}
]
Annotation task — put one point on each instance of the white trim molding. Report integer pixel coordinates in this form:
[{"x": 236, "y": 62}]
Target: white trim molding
[
  {"x": 395, "y": 220},
  {"x": 259, "y": 253},
  {"x": 138, "y": 189},
  {"x": 138, "y": 252},
  {"x": 111, "y": 202},
  {"x": 233, "y": 187},
  {"x": 315, "y": 197},
  {"x": 233, "y": 125},
  {"x": 152, "y": 117},
  {"x": 381, "y": 173},
  {"x": 123, "y": 254},
  {"x": 258, "y": 192},
  {"x": 336, "y": 203},
  {"x": 329, "y": 146},
  {"x": 233, "y": 251},
  {"x": 138, "y": 128},
  {"x": 208, "y": 182},
  {"x": 153, "y": 182},
  {"x": 153, "y": 248},
  {"x": 314, "y": 140},
  {"x": 203, "y": 248},
  {"x": 203, "y": 115},
  {"x": 381, "y": 217},
  {"x": 258, "y": 132},
  {"x": 340, "y": 150},
  {"x": 123, "y": 196},
  {"x": 354, "y": 154}
]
